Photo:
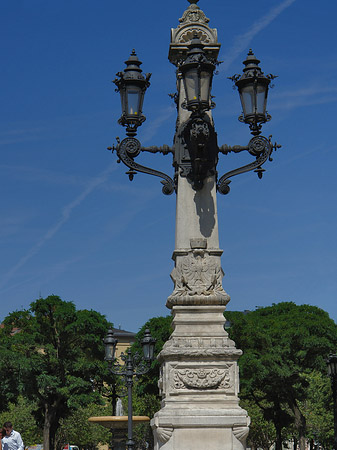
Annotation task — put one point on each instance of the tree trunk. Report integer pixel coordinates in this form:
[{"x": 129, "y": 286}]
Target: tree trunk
[
  {"x": 278, "y": 443},
  {"x": 295, "y": 442},
  {"x": 46, "y": 428},
  {"x": 300, "y": 425},
  {"x": 49, "y": 428}
]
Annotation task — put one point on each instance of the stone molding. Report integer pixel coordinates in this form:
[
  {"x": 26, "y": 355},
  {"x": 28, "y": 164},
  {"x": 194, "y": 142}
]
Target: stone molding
[{"x": 197, "y": 346}]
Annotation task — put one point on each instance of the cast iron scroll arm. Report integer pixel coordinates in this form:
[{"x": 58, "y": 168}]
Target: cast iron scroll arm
[
  {"x": 129, "y": 148},
  {"x": 258, "y": 146}
]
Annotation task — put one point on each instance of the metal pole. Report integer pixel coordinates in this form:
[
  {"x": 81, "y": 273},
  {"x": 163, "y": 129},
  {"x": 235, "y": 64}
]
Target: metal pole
[
  {"x": 129, "y": 381},
  {"x": 334, "y": 395},
  {"x": 113, "y": 396}
]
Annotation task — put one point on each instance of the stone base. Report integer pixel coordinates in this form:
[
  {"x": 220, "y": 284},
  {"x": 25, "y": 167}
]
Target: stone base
[
  {"x": 199, "y": 384},
  {"x": 213, "y": 430}
]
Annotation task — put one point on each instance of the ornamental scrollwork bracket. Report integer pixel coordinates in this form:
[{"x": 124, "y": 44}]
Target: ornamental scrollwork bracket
[
  {"x": 260, "y": 147},
  {"x": 129, "y": 148}
]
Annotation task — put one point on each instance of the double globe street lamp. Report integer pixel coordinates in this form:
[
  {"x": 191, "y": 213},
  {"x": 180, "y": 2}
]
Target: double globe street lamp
[
  {"x": 134, "y": 366},
  {"x": 196, "y": 137}
]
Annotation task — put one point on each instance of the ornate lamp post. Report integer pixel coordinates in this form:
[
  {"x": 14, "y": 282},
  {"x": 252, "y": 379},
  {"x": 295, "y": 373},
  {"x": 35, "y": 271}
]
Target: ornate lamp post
[
  {"x": 199, "y": 379},
  {"x": 332, "y": 371},
  {"x": 110, "y": 343},
  {"x": 134, "y": 365}
]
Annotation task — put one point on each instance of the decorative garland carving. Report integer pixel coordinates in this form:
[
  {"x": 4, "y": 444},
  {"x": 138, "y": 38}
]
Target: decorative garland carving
[{"x": 202, "y": 379}]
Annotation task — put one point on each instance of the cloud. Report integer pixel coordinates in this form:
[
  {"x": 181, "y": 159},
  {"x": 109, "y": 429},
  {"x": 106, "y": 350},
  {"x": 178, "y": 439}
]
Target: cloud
[
  {"x": 242, "y": 41},
  {"x": 161, "y": 118},
  {"x": 311, "y": 95},
  {"x": 65, "y": 215}
]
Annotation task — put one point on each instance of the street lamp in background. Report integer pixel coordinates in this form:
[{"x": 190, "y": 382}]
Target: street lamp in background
[
  {"x": 332, "y": 371},
  {"x": 134, "y": 365}
]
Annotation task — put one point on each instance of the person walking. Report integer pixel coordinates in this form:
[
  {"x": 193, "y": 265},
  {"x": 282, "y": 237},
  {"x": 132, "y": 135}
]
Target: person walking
[
  {"x": 12, "y": 440},
  {"x": 2, "y": 434}
]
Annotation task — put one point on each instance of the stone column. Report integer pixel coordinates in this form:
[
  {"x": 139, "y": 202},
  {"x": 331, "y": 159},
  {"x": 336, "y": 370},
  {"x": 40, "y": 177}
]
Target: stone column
[{"x": 199, "y": 380}]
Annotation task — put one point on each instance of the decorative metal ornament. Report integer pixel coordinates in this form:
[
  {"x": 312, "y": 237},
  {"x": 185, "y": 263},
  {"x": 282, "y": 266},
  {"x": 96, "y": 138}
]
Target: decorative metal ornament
[
  {"x": 132, "y": 86},
  {"x": 129, "y": 148},
  {"x": 196, "y": 150},
  {"x": 258, "y": 146}
]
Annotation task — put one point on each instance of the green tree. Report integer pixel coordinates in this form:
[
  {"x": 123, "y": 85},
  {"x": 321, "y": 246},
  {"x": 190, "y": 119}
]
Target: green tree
[
  {"x": 56, "y": 356},
  {"x": 21, "y": 414},
  {"x": 281, "y": 343},
  {"x": 76, "y": 430},
  {"x": 318, "y": 409},
  {"x": 160, "y": 329}
]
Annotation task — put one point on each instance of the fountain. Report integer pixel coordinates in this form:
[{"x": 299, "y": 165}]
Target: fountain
[{"x": 118, "y": 425}]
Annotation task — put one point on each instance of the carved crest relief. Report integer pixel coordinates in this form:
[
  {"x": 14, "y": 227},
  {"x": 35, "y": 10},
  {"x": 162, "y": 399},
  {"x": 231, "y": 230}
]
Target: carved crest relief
[{"x": 197, "y": 273}]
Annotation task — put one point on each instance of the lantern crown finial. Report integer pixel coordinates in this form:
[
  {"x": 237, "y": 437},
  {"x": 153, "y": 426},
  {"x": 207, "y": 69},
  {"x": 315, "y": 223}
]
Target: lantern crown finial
[{"x": 252, "y": 64}]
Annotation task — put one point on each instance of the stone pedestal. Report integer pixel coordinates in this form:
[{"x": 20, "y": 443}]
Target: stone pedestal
[{"x": 199, "y": 384}]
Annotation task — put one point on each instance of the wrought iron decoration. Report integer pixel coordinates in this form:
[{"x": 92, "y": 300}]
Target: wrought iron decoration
[{"x": 195, "y": 150}]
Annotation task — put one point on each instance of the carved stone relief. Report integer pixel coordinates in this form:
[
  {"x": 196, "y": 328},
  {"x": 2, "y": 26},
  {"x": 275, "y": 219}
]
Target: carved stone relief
[
  {"x": 202, "y": 379},
  {"x": 241, "y": 433},
  {"x": 200, "y": 275},
  {"x": 186, "y": 35},
  {"x": 193, "y": 14}
]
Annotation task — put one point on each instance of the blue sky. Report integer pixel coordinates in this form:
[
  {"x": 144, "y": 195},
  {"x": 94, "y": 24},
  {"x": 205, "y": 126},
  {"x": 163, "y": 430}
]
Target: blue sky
[{"x": 72, "y": 224}]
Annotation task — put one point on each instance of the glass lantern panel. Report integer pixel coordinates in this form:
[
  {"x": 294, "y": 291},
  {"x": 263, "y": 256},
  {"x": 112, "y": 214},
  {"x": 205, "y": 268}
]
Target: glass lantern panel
[
  {"x": 247, "y": 100},
  {"x": 109, "y": 352},
  {"x": 205, "y": 86},
  {"x": 146, "y": 351},
  {"x": 191, "y": 82},
  {"x": 133, "y": 102},
  {"x": 332, "y": 365},
  {"x": 261, "y": 99}
]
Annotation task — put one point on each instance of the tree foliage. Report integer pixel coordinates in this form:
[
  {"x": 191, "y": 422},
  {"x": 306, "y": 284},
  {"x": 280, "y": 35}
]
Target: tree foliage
[
  {"x": 54, "y": 357},
  {"x": 160, "y": 329},
  {"x": 282, "y": 344},
  {"x": 21, "y": 414},
  {"x": 76, "y": 429}
]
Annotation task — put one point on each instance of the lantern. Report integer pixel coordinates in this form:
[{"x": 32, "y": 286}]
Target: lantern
[
  {"x": 110, "y": 343},
  {"x": 148, "y": 343},
  {"x": 132, "y": 86},
  {"x": 197, "y": 74},
  {"x": 253, "y": 89},
  {"x": 332, "y": 366}
]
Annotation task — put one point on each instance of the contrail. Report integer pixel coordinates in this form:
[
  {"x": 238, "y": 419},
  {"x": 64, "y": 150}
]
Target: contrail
[
  {"x": 65, "y": 215},
  {"x": 242, "y": 41}
]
